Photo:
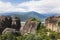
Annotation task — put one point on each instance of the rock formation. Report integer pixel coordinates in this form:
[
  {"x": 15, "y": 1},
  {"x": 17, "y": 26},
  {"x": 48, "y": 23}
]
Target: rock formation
[
  {"x": 4, "y": 22},
  {"x": 13, "y": 24},
  {"x": 9, "y": 22},
  {"x": 30, "y": 27},
  {"x": 16, "y": 23},
  {"x": 8, "y": 30},
  {"x": 52, "y": 23}
]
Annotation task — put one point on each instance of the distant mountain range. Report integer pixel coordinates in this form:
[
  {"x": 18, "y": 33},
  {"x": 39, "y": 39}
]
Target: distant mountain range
[{"x": 25, "y": 15}]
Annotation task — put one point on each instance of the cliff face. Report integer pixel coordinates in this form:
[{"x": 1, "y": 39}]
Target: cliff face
[
  {"x": 8, "y": 22},
  {"x": 29, "y": 27},
  {"x": 5, "y": 22},
  {"x": 16, "y": 23},
  {"x": 52, "y": 23},
  {"x": 13, "y": 24}
]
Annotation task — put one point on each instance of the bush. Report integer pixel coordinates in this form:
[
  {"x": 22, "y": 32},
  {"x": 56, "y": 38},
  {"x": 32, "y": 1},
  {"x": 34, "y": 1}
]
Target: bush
[{"x": 7, "y": 37}]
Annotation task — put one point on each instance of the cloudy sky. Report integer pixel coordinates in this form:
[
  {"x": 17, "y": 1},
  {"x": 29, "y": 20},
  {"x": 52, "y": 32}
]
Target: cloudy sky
[{"x": 40, "y": 6}]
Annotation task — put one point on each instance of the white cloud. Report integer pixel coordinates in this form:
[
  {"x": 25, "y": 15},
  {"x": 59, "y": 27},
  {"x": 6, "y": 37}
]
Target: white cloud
[
  {"x": 41, "y": 6},
  {"x": 8, "y": 7}
]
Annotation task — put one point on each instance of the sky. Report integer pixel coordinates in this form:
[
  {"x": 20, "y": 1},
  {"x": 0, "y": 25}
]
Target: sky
[{"x": 40, "y": 6}]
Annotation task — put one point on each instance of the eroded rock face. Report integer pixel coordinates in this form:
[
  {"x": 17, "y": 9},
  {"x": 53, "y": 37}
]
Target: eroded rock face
[
  {"x": 9, "y": 30},
  {"x": 16, "y": 24},
  {"x": 30, "y": 27},
  {"x": 5, "y": 22},
  {"x": 9, "y": 22},
  {"x": 52, "y": 23}
]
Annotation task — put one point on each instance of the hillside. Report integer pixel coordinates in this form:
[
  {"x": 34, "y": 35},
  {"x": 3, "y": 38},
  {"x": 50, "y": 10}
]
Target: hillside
[{"x": 25, "y": 15}]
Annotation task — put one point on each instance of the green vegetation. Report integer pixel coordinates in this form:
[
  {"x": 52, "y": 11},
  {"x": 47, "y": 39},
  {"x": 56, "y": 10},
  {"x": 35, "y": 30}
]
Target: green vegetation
[
  {"x": 58, "y": 23},
  {"x": 34, "y": 19},
  {"x": 41, "y": 34}
]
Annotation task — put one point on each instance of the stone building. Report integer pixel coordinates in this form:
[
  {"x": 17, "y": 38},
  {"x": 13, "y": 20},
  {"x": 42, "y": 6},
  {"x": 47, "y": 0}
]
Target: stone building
[{"x": 53, "y": 23}]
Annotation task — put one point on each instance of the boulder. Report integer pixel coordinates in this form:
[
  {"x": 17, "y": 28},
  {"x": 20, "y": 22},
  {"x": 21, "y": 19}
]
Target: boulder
[{"x": 29, "y": 27}]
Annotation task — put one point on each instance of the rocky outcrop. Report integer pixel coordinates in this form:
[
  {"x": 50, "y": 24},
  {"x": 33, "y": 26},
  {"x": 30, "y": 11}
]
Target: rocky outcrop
[
  {"x": 30, "y": 27},
  {"x": 13, "y": 24},
  {"x": 52, "y": 23},
  {"x": 8, "y": 30},
  {"x": 16, "y": 24},
  {"x": 11, "y": 31},
  {"x": 9, "y": 22},
  {"x": 5, "y": 22}
]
